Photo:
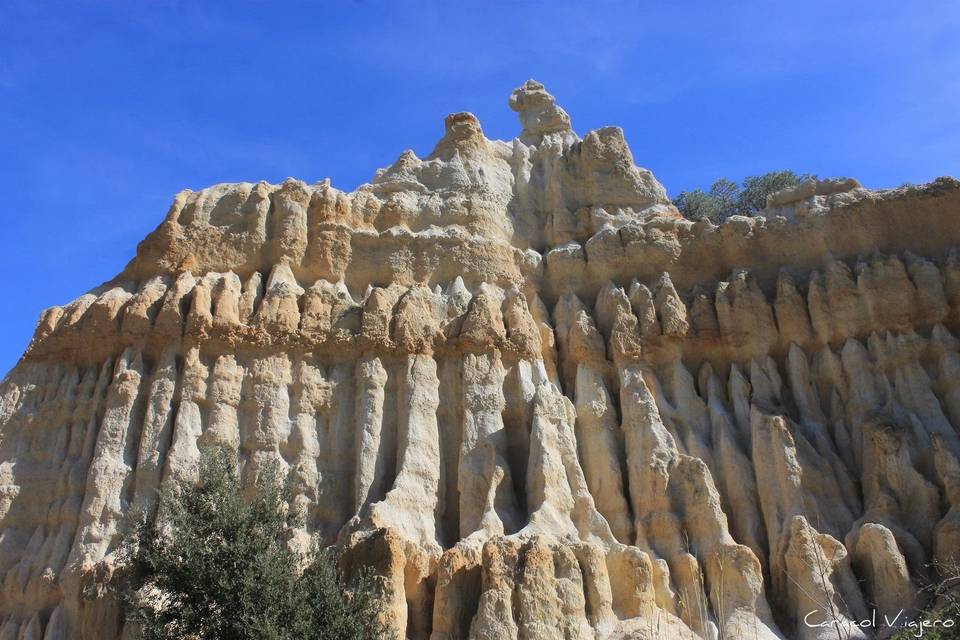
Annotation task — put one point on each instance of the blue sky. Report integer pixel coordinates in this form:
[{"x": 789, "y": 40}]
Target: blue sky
[{"x": 109, "y": 108}]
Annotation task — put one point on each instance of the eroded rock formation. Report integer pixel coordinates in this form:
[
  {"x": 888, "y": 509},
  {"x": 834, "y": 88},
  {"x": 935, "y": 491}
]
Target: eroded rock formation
[{"x": 512, "y": 378}]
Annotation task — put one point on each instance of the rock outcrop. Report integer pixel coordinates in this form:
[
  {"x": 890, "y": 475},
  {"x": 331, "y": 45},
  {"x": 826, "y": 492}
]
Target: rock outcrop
[{"x": 513, "y": 379}]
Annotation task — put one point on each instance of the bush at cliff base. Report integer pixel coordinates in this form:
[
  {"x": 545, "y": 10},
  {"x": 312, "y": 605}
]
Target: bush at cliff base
[{"x": 213, "y": 565}]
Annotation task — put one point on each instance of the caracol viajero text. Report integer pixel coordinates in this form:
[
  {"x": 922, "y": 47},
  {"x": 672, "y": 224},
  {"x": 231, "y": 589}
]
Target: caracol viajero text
[{"x": 513, "y": 379}]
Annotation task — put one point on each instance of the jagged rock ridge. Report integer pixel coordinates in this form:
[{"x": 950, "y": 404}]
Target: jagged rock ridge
[{"x": 513, "y": 379}]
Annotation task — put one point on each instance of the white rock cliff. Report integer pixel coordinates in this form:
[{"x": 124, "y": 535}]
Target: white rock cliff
[{"x": 514, "y": 380}]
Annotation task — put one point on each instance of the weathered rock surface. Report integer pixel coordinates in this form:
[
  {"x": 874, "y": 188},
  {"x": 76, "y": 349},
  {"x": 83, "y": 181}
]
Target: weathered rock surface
[{"x": 514, "y": 380}]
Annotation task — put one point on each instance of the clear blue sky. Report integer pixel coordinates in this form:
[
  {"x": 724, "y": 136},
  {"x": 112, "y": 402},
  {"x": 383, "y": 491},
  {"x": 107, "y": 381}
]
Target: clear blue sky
[{"x": 109, "y": 108}]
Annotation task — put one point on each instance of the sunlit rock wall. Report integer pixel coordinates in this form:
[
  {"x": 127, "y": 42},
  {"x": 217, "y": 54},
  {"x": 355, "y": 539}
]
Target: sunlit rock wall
[{"x": 515, "y": 381}]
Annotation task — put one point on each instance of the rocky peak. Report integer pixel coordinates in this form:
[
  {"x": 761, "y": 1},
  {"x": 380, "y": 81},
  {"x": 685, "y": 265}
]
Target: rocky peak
[
  {"x": 539, "y": 113},
  {"x": 462, "y": 133}
]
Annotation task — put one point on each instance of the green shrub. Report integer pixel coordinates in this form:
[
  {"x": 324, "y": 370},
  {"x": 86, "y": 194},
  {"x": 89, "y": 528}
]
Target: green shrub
[
  {"x": 217, "y": 566},
  {"x": 726, "y": 198}
]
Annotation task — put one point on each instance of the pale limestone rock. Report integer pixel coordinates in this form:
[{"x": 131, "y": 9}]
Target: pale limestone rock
[
  {"x": 703, "y": 316},
  {"x": 485, "y": 484},
  {"x": 458, "y": 588},
  {"x": 892, "y": 487},
  {"x": 521, "y": 327},
  {"x": 818, "y": 584},
  {"x": 142, "y": 309},
  {"x": 495, "y": 618},
  {"x": 250, "y": 297},
  {"x": 578, "y": 339},
  {"x": 416, "y": 486},
  {"x": 625, "y": 341},
  {"x": 931, "y": 302},
  {"x": 223, "y": 425},
  {"x": 848, "y": 316},
  {"x": 476, "y": 373},
  {"x": 670, "y": 309},
  {"x": 745, "y": 317},
  {"x": 641, "y": 301},
  {"x": 169, "y": 320},
  {"x": 887, "y": 292},
  {"x": 878, "y": 559},
  {"x": 600, "y": 450},
  {"x": 539, "y": 113},
  {"x": 793, "y": 321},
  {"x": 157, "y": 430},
  {"x": 416, "y": 320},
  {"x": 307, "y": 397},
  {"x": 734, "y": 474},
  {"x": 483, "y": 323},
  {"x": 809, "y": 196},
  {"x": 373, "y": 447}
]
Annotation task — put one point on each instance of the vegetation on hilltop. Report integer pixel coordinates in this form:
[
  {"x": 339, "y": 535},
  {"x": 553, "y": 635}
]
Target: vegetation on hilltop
[{"x": 726, "y": 198}]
